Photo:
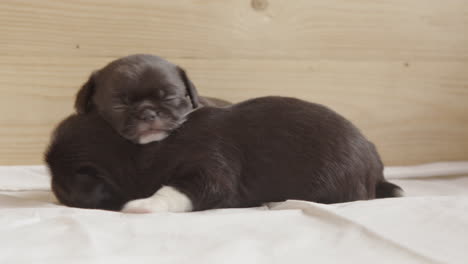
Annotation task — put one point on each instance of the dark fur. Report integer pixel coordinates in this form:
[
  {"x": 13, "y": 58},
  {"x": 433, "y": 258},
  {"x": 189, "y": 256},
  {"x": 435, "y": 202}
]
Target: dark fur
[
  {"x": 262, "y": 150},
  {"x": 140, "y": 93}
]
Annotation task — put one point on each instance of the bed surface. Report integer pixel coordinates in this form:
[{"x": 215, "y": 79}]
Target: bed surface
[{"x": 428, "y": 225}]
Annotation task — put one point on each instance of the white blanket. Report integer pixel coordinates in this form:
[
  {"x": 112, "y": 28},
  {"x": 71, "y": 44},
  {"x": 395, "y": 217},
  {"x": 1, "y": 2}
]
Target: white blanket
[{"x": 430, "y": 225}]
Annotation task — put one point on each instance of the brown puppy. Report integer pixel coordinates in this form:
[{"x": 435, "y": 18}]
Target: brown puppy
[
  {"x": 143, "y": 97},
  {"x": 262, "y": 150}
]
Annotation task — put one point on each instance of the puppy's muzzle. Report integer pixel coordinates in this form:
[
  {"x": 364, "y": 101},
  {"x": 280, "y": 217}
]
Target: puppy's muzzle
[{"x": 147, "y": 115}]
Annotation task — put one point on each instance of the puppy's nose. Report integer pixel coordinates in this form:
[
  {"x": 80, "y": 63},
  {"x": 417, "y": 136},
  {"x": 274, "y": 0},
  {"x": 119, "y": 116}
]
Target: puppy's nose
[{"x": 148, "y": 115}]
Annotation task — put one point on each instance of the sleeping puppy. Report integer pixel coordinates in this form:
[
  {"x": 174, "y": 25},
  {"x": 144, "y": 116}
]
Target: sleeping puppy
[
  {"x": 143, "y": 97},
  {"x": 262, "y": 150}
]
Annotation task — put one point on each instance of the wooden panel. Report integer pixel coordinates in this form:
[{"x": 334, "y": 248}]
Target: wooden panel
[
  {"x": 415, "y": 113},
  {"x": 299, "y": 29},
  {"x": 398, "y": 69}
]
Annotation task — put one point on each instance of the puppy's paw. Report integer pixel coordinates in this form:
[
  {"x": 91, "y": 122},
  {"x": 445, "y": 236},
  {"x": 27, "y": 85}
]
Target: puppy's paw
[
  {"x": 145, "y": 206},
  {"x": 166, "y": 199}
]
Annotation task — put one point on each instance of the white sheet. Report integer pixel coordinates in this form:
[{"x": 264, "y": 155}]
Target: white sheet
[{"x": 430, "y": 225}]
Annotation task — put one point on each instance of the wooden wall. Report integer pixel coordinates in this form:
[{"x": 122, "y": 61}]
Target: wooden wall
[{"x": 397, "y": 68}]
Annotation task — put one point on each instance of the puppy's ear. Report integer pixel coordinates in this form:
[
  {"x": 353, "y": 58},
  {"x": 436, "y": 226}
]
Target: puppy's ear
[
  {"x": 89, "y": 190},
  {"x": 83, "y": 100},
  {"x": 190, "y": 88}
]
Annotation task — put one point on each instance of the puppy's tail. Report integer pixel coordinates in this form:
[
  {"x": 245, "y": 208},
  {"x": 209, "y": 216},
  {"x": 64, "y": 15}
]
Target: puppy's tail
[{"x": 385, "y": 189}]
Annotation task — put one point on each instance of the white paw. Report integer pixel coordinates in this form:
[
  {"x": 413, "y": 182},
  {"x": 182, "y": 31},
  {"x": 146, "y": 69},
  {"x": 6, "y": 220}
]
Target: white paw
[
  {"x": 144, "y": 206},
  {"x": 166, "y": 199}
]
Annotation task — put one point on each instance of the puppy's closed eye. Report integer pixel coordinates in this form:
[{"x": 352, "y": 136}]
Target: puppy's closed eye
[
  {"x": 172, "y": 98},
  {"x": 120, "y": 107}
]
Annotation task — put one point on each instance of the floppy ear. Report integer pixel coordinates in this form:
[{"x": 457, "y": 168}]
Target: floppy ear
[
  {"x": 190, "y": 88},
  {"x": 83, "y": 100},
  {"x": 91, "y": 191}
]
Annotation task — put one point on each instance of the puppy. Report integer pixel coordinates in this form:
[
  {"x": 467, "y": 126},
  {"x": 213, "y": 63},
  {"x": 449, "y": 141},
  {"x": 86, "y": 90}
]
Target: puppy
[
  {"x": 262, "y": 150},
  {"x": 143, "y": 97}
]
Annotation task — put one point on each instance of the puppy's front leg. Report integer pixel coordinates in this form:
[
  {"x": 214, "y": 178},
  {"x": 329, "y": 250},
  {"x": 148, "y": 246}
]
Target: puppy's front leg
[
  {"x": 207, "y": 186},
  {"x": 166, "y": 199}
]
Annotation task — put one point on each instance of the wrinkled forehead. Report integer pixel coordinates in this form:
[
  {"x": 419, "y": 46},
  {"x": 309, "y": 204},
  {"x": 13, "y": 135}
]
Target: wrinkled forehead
[{"x": 141, "y": 75}]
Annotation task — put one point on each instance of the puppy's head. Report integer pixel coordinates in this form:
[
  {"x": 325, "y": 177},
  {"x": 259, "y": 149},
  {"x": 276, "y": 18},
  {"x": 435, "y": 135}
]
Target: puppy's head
[
  {"x": 91, "y": 165},
  {"x": 143, "y": 97}
]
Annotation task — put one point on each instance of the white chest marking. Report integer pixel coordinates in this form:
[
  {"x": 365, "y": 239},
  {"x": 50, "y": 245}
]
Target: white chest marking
[
  {"x": 152, "y": 137},
  {"x": 166, "y": 199}
]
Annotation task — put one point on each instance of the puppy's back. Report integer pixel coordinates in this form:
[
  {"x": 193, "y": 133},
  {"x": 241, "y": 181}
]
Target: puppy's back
[{"x": 292, "y": 149}]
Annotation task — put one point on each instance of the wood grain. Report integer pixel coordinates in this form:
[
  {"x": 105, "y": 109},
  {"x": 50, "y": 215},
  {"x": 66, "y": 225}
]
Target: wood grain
[
  {"x": 299, "y": 29},
  {"x": 398, "y": 69}
]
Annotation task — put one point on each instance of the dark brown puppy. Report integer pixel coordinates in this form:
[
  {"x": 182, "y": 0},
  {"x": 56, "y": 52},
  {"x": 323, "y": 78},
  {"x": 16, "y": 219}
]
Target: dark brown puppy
[
  {"x": 143, "y": 97},
  {"x": 262, "y": 150}
]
